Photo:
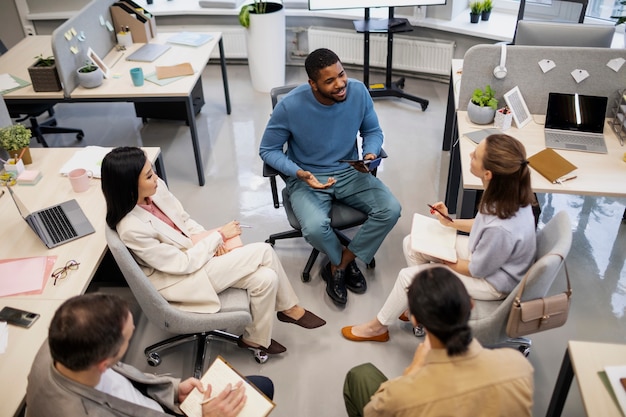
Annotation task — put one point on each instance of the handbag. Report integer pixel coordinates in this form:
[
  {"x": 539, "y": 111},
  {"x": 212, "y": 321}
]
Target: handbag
[{"x": 527, "y": 317}]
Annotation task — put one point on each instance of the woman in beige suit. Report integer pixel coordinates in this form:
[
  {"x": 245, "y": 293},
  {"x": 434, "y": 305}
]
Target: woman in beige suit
[{"x": 189, "y": 265}]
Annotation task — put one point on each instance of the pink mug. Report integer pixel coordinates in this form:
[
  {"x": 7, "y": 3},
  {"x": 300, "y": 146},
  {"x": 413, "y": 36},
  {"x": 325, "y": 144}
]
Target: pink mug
[{"x": 80, "y": 178}]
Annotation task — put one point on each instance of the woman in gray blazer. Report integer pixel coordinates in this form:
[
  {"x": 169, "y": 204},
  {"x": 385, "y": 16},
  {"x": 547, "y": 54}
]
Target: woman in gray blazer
[{"x": 189, "y": 265}]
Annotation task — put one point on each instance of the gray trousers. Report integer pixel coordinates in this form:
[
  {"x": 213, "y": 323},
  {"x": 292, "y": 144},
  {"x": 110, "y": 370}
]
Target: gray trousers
[{"x": 361, "y": 383}]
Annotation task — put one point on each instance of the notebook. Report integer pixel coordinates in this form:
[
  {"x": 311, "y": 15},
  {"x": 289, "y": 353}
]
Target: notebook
[
  {"x": 148, "y": 53},
  {"x": 576, "y": 122},
  {"x": 551, "y": 165},
  {"x": 430, "y": 237},
  {"x": 58, "y": 224}
]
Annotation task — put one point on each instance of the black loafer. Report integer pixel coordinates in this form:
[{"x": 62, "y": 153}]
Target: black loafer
[
  {"x": 355, "y": 281},
  {"x": 335, "y": 285}
]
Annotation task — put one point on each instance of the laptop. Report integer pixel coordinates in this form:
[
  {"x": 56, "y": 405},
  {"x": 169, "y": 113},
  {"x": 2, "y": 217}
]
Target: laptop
[
  {"x": 58, "y": 224},
  {"x": 576, "y": 122},
  {"x": 148, "y": 53}
]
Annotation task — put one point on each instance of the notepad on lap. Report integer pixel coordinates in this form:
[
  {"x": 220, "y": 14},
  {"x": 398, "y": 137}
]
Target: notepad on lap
[
  {"x": 430, "y": 237},
  {"x": 220, "y": 374},
  {"x": 551, "y": 165}
]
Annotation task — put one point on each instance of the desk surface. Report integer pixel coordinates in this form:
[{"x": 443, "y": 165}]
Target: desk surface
[
  {"x": 598, "y": 174},
  {"x": 51, "y": 189},
  {"x": 589, "y": 358},
  {"x": 120, "y": 85},
  {"x": 17, "y": 60}
]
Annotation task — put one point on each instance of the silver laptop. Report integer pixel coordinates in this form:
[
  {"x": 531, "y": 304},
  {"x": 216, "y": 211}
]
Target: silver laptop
[
  {"x": 148, "y": 53},
  {"x": 576, "y": 122},
  {"x": 58, "y": 224}
]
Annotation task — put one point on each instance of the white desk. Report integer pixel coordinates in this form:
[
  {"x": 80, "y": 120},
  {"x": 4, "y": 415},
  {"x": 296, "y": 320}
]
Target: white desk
[
  {"x": 585, "y": 360},
  {"x": 598, "y": 174},
  {"x": 53, "y": 188}
]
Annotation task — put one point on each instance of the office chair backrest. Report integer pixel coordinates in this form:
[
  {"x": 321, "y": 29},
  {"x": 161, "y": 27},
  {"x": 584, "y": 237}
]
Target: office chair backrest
[
  {"x": 163, "y": 314},
  {"x": 277, "y": 93},
  {"x": 556, "y": 11}
]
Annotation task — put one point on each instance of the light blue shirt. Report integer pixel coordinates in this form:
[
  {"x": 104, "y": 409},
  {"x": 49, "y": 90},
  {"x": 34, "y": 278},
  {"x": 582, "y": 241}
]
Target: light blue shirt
[{"x": 319, "y": 135}]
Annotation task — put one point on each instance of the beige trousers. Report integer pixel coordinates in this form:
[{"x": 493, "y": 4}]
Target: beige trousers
[{"x": 256, "y": 268}]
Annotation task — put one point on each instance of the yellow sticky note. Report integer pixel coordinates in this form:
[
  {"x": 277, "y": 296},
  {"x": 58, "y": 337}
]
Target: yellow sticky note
[
  {"x": 74, "y": 50},
  {"x": 68, "y": 35},
  {"x": 73, "y": 31}
]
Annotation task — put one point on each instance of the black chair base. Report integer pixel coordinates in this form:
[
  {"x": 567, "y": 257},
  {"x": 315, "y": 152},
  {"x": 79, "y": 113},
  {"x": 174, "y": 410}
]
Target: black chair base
[
  {"x": 202, "y": 340},
  {"x": 48, "y": 126}
]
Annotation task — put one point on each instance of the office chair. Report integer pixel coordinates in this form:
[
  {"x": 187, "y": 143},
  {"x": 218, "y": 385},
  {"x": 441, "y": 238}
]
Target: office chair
[
  {"x": 233, "y": 316},
  {"x": 342, "y": 216},
  {"x": 489, "y": 318},
  {"x": 22, "y": 112},
  {"x": 557, "y": 11}
]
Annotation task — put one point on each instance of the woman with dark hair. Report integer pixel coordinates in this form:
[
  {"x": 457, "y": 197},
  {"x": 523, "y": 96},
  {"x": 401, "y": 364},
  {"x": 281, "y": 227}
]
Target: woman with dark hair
[
  {"x": 189, "y": 265},
  {"x": 451, "y": 374},
  {"x": 501, "y": 244}
]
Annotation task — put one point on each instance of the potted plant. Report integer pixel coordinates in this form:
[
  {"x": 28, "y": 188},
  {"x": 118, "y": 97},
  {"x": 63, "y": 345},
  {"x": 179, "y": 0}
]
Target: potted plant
[
  {"x": 476, "y": 8},
  {"x": 265, "y": 40},
  {"x": 482, "y": 107},
  {"x": 43, "y": 74},
  {"x": 90, "y": 75},
  {"x": 15, "y": 139},
  {"x": 486, "y": 8}
]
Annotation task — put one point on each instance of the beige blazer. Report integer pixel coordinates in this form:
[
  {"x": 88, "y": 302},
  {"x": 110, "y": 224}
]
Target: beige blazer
[{"x": 168, "y": 257}]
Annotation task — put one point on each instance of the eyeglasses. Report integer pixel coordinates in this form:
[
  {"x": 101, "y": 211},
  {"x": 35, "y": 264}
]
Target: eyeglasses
[{"x": 61, "y": 273}]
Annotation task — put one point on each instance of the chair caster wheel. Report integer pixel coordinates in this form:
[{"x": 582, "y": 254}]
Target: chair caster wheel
[
  {"x": 372, "y": 264},
  {"x": 525, "y": 350},
  {"x": 306, "y": 277},
  {"x": 418, "y": 331},
  {"x": 153, "y": 359},
  {"x": 79, "y": 136},
  {"x": 424, "y": 106},
  {"x": 260, "y": 356},
  {"x": 269, "y": 241}
]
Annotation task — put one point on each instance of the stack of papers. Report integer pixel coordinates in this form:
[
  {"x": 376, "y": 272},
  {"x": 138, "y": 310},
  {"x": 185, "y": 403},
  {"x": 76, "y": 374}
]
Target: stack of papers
[
  {"x": 89, "y": 158},
  {"x": 190, "y": 38},
  {"x": 9, "y": 83},
  {"x": 25, "y": 275}
]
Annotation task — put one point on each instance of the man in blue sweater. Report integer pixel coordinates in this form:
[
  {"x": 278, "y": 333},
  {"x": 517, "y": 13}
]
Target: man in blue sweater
[{"x": 320, "y": 122}]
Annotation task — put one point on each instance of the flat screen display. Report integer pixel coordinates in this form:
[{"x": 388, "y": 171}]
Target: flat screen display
[
  {"x": 576, "y": 112},
  {"x": 361, "y": 4}
]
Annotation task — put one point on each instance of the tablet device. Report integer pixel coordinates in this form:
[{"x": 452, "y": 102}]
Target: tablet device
[{"x": 371, "y": 164}]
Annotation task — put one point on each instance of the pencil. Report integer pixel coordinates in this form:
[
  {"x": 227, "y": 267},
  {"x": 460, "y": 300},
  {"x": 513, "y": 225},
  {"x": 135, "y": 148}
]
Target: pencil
[
  {"x": 21, "y": 154},
  {"x": 448, "y": 218},
  {"x": 118, "y": 59}
]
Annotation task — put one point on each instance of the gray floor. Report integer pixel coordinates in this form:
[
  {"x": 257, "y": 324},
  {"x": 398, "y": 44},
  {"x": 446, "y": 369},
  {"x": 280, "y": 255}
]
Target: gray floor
[{"x": 309, "y": 377}]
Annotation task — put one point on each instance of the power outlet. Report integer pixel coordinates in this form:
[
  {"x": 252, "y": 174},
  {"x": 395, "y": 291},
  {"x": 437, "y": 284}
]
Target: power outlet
[{"x": 29, "y": 30}]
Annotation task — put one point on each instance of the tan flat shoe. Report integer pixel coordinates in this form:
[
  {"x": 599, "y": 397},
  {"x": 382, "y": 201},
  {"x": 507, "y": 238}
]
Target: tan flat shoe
[{"x": 347, "y": 333}]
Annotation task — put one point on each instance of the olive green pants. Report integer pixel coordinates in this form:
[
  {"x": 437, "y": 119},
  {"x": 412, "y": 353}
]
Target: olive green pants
[{"x": 361, "y": 383}]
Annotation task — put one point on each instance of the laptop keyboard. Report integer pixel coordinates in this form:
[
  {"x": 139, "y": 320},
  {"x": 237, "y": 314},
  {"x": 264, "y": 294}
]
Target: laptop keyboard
[
  {"x": 571, "y": 141},
  {"x": 57, "y": 224}
]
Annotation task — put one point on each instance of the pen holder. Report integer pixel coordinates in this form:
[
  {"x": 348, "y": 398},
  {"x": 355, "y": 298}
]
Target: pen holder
[
  {"x": 15, "y": 167},
  {"x": 124, "y": 39},
  {"x": 503, "y": 120}
]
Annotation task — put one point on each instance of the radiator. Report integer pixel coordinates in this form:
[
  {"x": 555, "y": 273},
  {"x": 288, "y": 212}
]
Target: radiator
[{"x": 430, "y": 56}]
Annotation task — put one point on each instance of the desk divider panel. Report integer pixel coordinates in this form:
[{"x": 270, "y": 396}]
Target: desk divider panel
[
  {"x": 523, "y": 71},
  {"x": 92, "y": 32}
]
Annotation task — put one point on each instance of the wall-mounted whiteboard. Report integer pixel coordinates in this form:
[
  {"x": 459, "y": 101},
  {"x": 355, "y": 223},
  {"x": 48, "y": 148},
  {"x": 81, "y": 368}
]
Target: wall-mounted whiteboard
[{"x": 361, "y": 4}]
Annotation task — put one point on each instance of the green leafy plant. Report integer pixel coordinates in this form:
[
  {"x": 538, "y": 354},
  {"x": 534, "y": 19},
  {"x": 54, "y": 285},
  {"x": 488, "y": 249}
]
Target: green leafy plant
[
  {"x": 476, "y": 7},
  {"x": 44, "y": 62},
  {"x": 620, "y": 14},
  {"x": 485, "y": 97},
  {"x": 14, "y": 137},
  {"x": 88, "y": 67},
  {"x": 487, "y": 5},
  {"x": 258, "y": 7}
]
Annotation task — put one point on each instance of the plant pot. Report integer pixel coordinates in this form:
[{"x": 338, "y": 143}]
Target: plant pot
[
  {"x": 26, "y": 158},
  {"x": 474, "y": 17},
  {"x": 480, "y": 115},
  {"x": 91, "y": 79},
  {"x": 44, "y": 78},
  {"x": 485, "y": 15},
  {"x": 265, "y": 41}
]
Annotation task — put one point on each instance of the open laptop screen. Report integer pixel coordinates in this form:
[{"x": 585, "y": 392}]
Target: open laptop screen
[{"x": 576, "y": 112}]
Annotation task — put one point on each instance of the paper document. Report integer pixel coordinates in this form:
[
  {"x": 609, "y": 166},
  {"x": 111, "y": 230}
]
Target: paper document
[
  {"x": 220, "y": 374},
  {"x": 551, "y": 165},
  {"x": 617, "y": 378},
  {"x": 430, "y": 237},
  {"x": 190, "y": 38},
  {"x": 174, "y": 71},
  {"x": 9, "y": 83},
  {"x": 89, "y": 158},
  {"x": 25, "y": 275}
]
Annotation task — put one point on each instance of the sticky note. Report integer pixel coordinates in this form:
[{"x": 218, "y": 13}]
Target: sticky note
[
  {"x": 579, "y": 75},
  {"x": 109, "y": 26},
  {"x": 68, "y": 35},
  {"x": 616, "y": 64},
  {"x": 101, "y": 20},
  {"x": 74, "y": 50},
  {"x": 546, "y": 65},
  {"x": 73, "y": 31}
]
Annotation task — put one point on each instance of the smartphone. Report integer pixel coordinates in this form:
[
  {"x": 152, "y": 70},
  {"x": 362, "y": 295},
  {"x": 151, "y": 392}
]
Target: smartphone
[{"x": 18, "y": 317}]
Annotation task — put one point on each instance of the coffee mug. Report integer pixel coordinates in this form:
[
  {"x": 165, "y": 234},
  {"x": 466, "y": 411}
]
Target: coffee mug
[
  {"x": 80, "y": 178},
  {"x": 137, "y": 76}
]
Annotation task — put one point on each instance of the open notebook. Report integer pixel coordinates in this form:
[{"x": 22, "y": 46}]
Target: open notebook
[{"x": 430, "y": 237}]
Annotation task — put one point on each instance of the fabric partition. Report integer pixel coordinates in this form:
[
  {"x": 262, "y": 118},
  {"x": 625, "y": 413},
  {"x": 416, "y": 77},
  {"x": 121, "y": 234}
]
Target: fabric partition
[{"x": 523, "y": 70}]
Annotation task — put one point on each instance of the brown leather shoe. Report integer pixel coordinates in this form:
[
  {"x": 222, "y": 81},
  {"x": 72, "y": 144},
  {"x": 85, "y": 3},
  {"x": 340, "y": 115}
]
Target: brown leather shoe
[
  {"x": 308, "y": 320},
  {"x": 273, "y": 349},
  {"x": 404, "y": 316},
  {"x": 347, "y": 333}
]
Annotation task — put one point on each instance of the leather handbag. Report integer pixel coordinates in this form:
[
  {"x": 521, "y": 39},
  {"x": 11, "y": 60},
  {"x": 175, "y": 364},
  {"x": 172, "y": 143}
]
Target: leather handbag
[{"x": 532, "y": 316}]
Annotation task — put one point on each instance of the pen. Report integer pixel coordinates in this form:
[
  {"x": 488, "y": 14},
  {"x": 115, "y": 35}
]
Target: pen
[
  {"x": 561, "y": 181},
  {"x": 118, "y": 59},
  {"x": 2, "y": 193},
  {"x": 208, "y": 400},
  {"x": 3, "y": 161},
  {"x": 245, "y": 226},
  {"x": 448, "y": 218}
]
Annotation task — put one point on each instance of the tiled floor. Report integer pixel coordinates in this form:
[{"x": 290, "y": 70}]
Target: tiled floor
[{"x": 309, "y": 377}]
